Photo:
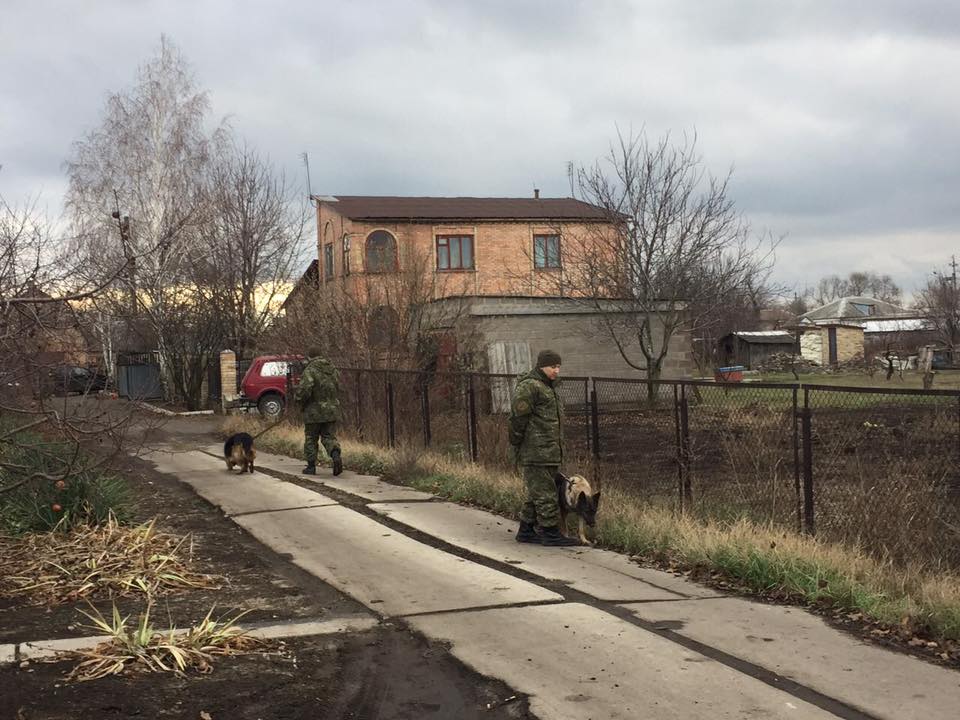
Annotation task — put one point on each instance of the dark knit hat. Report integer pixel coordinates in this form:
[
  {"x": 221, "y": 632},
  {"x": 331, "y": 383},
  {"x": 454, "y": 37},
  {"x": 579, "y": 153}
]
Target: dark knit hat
[
  {"x": 314, "y": 351},
  {"x": 546, "y": 358}
]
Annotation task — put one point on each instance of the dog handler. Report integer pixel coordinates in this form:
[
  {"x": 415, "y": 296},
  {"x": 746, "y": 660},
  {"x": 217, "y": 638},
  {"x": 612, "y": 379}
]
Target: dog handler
[
  {"x": 318, "y": 396},
  {"x": 536, "y": 434}
]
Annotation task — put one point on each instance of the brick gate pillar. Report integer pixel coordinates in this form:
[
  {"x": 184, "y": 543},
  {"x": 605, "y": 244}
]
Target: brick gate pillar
[{"x": 228, "y": 378}]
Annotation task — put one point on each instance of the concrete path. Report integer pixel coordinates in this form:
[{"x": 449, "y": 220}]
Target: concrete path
[{"x": 584, "y": 632}]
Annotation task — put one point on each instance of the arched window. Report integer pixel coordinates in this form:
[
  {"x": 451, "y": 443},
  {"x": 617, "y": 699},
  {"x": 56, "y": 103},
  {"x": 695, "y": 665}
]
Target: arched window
[{"x": 381, "y": 252}]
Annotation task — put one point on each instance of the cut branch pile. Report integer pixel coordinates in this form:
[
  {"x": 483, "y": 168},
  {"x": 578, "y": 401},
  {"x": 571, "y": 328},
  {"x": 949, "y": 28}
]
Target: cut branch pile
[{"x": 108, "y": 559}]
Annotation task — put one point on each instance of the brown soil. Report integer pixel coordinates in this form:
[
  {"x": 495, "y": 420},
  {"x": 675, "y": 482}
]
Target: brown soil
[
  {"x": 385, "y": 673},
  {"x": 388, "y": 673}
]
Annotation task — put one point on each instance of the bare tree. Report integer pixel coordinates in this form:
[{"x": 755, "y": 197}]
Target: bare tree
[
  {"x": 387, "y": 320},
  {"x": 858, "y": 283},
  {"x": 252, "y": 241},
  {"x": 673, "y": 251},
  {"x": 939, "y": 300},
  {"x": 40, "y": 285},
  {"x": 147, "y": 161}
]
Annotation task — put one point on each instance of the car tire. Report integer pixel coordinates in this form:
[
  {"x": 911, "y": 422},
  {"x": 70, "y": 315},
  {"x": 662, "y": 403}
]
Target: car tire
[{"x": 270, "y": 405}]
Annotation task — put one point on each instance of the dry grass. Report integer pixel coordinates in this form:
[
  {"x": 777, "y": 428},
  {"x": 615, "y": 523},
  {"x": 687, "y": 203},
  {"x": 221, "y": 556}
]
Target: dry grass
[
  {"x": 140, "y": 647},
  {"x": 50, "y": 568},
  {"x": 757, "y": 557}
]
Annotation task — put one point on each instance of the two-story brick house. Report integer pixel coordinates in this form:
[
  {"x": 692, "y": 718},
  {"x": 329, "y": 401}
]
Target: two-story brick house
[{"x": 500, "y": 261}]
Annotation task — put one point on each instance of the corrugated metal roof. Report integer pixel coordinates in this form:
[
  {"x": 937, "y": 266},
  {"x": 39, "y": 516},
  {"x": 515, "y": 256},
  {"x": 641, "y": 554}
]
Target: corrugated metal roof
[
  {"x": 771, "y": 337},
  {"x": 412, "y": 209},
  {"x": 896, "y": 325}
]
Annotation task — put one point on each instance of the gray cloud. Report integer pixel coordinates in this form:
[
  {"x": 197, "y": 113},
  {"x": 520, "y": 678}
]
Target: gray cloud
[{"x": 838, "y": 118}]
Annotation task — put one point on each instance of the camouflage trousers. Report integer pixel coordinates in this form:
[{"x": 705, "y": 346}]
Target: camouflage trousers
[
  {"x": 322, "y": 432},
  {"x": 541, "y": 506}
]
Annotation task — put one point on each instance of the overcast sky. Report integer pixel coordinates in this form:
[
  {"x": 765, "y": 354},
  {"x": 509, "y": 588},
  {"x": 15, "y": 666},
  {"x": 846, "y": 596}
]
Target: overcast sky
[{"x": 841, "y": 120}]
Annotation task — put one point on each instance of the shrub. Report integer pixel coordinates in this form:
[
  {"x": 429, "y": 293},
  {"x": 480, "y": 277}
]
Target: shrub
[{"x": 86, "y": 497}]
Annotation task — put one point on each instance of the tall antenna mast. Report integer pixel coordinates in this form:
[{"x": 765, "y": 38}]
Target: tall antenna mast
[{"x": 306, "y": 161}]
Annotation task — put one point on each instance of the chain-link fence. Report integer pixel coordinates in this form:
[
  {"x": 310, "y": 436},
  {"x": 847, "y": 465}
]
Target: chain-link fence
[{"x": 873, "y": 467}]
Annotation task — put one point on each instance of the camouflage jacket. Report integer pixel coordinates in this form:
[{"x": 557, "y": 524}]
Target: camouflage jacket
[
  {"x": 536, "y": 421},
  {"x": 318, "y": 394}
]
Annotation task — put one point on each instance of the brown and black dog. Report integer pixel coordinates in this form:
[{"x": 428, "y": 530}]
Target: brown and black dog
[
  {"x": 238, "y": 450},
  {"x": 576, "y": 495}
]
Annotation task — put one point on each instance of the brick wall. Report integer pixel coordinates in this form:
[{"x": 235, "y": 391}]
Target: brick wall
[{"x": 503, "y": 253}]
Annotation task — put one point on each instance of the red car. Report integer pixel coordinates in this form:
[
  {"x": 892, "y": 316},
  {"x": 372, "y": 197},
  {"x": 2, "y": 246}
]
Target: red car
[{"x": 265, "y": 382}]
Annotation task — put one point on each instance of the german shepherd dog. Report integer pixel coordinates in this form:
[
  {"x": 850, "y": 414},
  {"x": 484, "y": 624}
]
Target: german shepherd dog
[
  {"x": 575, "y": 495},
  {"x": 238, "y": 450}
]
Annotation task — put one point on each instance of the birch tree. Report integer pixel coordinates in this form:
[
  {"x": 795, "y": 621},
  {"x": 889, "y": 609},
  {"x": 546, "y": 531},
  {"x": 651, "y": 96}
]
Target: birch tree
[{"x": 147, "y": 161}]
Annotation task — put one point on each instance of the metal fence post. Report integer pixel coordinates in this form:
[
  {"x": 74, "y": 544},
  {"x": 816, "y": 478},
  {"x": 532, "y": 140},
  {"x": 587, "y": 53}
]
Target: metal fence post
[
  {"x": 679, "y": 444},
  {"x": 595, "y": 423},
  {"x": 472, "y": 419},
  {"x": 796, "y": 460},
  {"x": 686, "y": 487},
  {"x": 359, "y": 408},
  {"x": 391, "y": 424},
  {"x": 808, "y": 519},
  {"x": 288, "y": 392},
  {"x": 425, "y": 413}
]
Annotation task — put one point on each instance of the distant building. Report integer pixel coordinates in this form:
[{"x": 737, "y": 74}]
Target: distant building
[
  {"x": 865, "y": 326},
  {"x": 831, "y": 343},
  {"x": 494, "y": 266},
  {"x": 752, "y": 348}
]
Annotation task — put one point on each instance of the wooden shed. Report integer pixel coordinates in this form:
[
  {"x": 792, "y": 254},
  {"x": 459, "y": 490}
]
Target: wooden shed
[{"x": 752, "y": 348}]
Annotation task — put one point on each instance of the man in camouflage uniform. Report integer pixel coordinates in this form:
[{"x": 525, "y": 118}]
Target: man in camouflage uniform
[
  {"x": 318, "y": 396},
  {"x": 536, "y": 434}
]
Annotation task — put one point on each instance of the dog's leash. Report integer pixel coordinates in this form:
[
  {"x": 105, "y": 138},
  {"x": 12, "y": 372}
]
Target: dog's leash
[{"x": 268, "y": 427}]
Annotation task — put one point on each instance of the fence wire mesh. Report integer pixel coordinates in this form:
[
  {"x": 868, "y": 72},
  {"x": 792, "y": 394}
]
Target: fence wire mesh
[
  {"x": 885, "y": 471},
  {"x": 741, "y": 452},
  {"x": 875, "y": 468},
  {"x": 638, "y": 439}
]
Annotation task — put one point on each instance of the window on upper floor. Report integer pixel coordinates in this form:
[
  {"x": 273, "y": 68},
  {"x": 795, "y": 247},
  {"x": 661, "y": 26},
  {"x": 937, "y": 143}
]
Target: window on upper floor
[
  {"x": 328, "y": 261},
  {"x": 346, "y": 255},
  {"x": 381, "y": 252},
  {"x": 546, "y": 252},
  {"x": 454, "y": 252},
  {"x": 863, "y": 308}
]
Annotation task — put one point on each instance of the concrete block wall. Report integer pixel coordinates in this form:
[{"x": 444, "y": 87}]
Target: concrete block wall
[{"x": 586, "y": 348}]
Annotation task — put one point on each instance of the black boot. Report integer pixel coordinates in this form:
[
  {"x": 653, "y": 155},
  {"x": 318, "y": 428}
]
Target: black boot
[
  {"x": 337, "y": 462},
  {"x": 553, "y": 538},
  {"x": 310, "y": 469},
  {"x": 527, "y": 534}
]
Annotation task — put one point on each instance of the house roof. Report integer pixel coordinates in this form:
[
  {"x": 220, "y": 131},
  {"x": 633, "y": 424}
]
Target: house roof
[
  {"x": 853, "y": 308},
  {"x": 413, "y": 209},
  {"x": 766, "y": 337},
  {"x": 897, "y": 325}
]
